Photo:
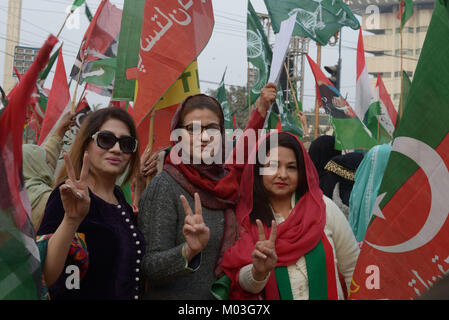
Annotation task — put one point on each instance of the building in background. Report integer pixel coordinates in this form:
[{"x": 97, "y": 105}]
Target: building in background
[
  {"x": 383, "y": 43},
  {"x": 11, "y": 41}
]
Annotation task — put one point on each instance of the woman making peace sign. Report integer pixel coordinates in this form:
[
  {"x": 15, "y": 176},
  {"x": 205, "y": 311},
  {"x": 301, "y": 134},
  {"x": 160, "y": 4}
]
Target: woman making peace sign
[
  {"x": 88, "y": 200},
  {"x": 310, "y": 240}
]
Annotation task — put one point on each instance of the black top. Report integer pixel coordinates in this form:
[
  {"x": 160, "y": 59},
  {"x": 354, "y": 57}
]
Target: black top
[{"x": 115, "y": 247}]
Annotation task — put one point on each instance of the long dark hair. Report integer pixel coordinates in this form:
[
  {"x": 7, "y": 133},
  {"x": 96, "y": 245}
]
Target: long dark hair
[
  {"x": 261, "y": 205},
  {"x": 91, "y": 124}
]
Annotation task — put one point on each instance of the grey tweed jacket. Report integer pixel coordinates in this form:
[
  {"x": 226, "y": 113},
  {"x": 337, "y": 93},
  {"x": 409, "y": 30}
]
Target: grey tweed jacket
[{"x": 161, "y": 219}]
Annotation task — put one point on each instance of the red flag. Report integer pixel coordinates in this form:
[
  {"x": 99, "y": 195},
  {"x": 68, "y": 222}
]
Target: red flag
[
  {"x": 58, "y": 101},
  {"x": 19, "y": 255},
  {"x": 173, "y": 35}
]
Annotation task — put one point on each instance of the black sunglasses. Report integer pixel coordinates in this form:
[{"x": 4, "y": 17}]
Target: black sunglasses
[{"x": 106, "y": 140}]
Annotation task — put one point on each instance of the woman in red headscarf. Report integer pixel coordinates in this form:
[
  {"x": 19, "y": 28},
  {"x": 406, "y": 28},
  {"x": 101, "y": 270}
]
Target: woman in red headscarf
[
  {"x": 309, "y": 240},
  {"x": 187, "y": 212}
]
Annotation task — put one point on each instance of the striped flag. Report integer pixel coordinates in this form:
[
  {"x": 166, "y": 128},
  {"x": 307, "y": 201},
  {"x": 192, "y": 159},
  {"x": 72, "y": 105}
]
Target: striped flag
[
  {"x": 370, "y": 108},
  {"x": 405, "y": 11}
]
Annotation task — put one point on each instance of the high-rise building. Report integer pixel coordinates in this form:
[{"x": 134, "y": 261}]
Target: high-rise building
[
  {"x": 383, "y": 44},
  {"x": 11, "y": 41}
]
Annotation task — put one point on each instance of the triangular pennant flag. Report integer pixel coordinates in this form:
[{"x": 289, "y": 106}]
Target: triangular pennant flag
[{"x": 58, "y": 101}]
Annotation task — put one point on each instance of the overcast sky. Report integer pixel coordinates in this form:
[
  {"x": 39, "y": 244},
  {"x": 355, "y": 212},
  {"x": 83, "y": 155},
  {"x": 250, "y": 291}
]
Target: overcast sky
[{"x": 227, "y": 47}]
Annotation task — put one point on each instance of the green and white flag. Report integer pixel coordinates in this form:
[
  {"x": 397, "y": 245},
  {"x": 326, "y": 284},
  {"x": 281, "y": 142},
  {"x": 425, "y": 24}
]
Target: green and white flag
[
  {"x": 259, "y": 52},
  {"x": 316, "y": 19},
  {"x": 101, "y": 72},
  {"x": 220, "y": 95},
  {"x": 76, "y": 4}
]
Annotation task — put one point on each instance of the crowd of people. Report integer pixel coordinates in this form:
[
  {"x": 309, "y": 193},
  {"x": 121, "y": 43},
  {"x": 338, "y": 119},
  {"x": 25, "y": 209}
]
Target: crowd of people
[{"x": 287, "y": 222}]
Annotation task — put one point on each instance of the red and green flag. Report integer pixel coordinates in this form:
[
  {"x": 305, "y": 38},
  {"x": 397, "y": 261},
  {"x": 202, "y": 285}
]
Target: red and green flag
[
  {"x": 128, "y": 50},
  {"x": 405, "y": 11},
  {"x": 173, "y": 35},
  {"x": 100, "y": 42},
  {"x": 405, "y": 249},
  {"x": 349, "y": 131},
  {"x": 58, "y": 101},
  {"x": 20, "y": 263}
]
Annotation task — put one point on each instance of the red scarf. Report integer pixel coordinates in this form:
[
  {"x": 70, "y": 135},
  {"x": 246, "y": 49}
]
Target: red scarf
[{"x": 296, "y": 236}]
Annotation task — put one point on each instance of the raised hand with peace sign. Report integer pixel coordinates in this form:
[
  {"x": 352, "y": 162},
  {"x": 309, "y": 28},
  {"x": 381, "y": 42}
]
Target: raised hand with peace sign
[
  {"x": 195, "y": 231},
  {"x": 264, "y": 254},
  {"x": 74, "y": 192}
]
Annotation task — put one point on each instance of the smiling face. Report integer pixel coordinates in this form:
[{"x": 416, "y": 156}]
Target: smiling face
[
  {"x": 201, "y": 145},
  {"x": 285, "y": 178},
  {"x": 111, "y": 162}
]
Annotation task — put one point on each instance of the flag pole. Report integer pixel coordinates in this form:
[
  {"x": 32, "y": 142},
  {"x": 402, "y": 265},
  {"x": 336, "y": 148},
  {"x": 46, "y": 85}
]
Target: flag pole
[
  {"x": 291, "y": 88},
  {"x": 317, "y": 105},
  {"x": 63, "y": 25},
  {"x": 249, "y": 96},
  {"x": 77, "y": 84}
]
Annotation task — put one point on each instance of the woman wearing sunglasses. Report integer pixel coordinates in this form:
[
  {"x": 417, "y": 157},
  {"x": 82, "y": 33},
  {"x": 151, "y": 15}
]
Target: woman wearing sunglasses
[
  {"x": 187, "y": 211},
  {"x": 87, "y": 200}
]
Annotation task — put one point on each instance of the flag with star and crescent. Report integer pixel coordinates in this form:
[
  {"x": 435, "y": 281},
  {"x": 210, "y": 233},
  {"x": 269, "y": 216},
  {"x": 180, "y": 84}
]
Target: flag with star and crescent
[{"x": 405, "y": 249}]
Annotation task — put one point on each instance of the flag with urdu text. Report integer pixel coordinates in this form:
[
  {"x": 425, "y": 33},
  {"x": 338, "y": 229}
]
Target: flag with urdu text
[
  {"x": 405, "y": 11},
  {"x": 220, "y": 95},
  {"x": 349, "y": 131},
  {"x": 128, "y": 50},
  {"x": 100, "y": 42},
  {"x": 367, "y": 107},
  {"x": 173, "y": 35},
  {"x": 258, "y": 53},
  {"x": 20, "y": 262},
  {"x": 317, "y": 20},
  {"x": 406, "y": 240}
]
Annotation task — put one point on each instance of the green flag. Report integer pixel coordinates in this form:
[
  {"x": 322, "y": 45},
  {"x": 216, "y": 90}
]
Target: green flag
[
  {"x": 76, "y": 4},
  {"x": 406, "y": 84},
  {"x": 88, "y": 13},
  {"x": 44, "y": 73},
  {"x": 407, "y": 235},
  {"x": 405, "y": 11},
  {"x": 128, "y": 49},
  {"x": 375, "y": 118},
  {"x": 317, "y": 20},
  {"x": 101, "y": 72},
  {"x": 220, "y": 95},
  {"x": 258, "y": 51}
]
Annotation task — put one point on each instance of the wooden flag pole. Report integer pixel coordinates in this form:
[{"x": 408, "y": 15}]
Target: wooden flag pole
[
  {"x": 291, "y": 88},
  {"x": 317, "y": 105},
  {"x": 77, "y": 85},
  {"x": 249, "y": 96},
  {"x": 63, "y": 25}
]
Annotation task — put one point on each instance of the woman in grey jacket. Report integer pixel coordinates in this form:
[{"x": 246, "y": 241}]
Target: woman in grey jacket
[{"x": 187, "y": 213}]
